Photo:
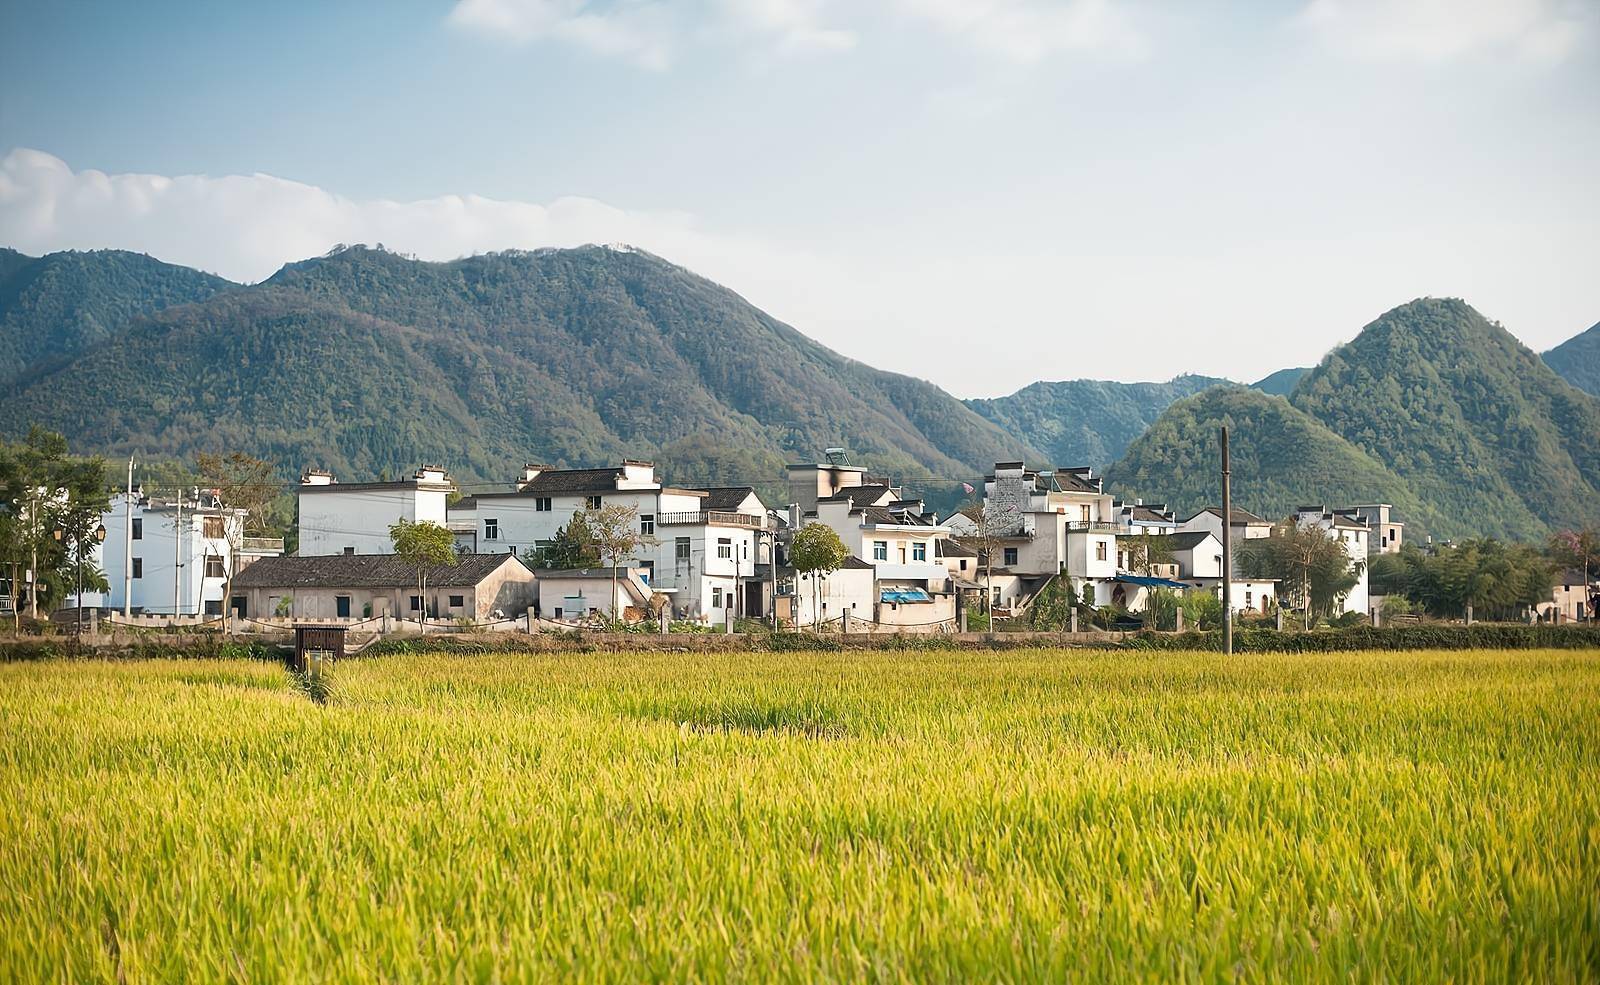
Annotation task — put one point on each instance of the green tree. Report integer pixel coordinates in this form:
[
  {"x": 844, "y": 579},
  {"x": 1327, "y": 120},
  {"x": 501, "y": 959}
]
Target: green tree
[
  {"x": 45, "y": 490},
  {"x": 1499, "y": 581},
  {"x": 1578, "y": 549},
  {"x": 571, "y": 547},
  {"x": 1313, "y": 571},
  {"x": 817, "y": 551},
  {"x": 423, "y": 546},
  {"x": 615, "y": 534}
]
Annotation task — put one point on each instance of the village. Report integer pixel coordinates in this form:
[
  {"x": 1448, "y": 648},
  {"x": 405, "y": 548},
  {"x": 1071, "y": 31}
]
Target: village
[{"x": 713, "y": 558}]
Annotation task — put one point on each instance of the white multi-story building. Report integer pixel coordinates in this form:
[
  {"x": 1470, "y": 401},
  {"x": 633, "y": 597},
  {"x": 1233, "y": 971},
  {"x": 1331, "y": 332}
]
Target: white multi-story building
[
  {"x": 1385, "y": 534},
  {"x": 1244, "y": 526},
  {"x": 354, "y": 517},
  {"x": 700, "y": 546},
  {"x": 1055, "y": 522},
  {"x": 173, "y": 557},
  {"x": 880, "y": 526},
  {"x": 1352, "y": 534}
]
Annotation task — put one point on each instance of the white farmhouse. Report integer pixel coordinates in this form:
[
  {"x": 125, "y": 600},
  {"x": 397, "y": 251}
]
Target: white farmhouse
[
  {"x": 354, "y": 517},
  {"x": 1352, "y": 534},
  {"x": 173, "y": 557},
  {"x": 1055, "y": 522}
]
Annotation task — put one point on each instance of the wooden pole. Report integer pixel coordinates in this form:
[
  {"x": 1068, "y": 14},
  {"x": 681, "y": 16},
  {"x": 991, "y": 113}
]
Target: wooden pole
[{"x": 1227, "y": 550}]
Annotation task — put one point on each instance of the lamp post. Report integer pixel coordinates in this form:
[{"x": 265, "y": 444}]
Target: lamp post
[{"x": 78, "y": 535}]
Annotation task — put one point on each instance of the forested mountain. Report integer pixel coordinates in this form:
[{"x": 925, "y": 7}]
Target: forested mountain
[
  {"x": 1477, "y": 423},
  {"x": 1086, "y": 422},
  {"x": 1281, "y": 383},
  {"x": 1473, "y": 434},
  {"x": 1281, "y": 458},
  {"x": 1577, "y": 360},
  {"x": 55, "y": 306},
  {"x": 364, "y": 361}
]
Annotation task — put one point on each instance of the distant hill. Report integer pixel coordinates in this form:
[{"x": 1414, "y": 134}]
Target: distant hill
[
  {"x": 55, "y": 306},
  {"x": 1281, "y": 383},
  {"x": 365, "y": 362},
  {"x": 1478, "y": 424},
  {"x": 1281, "y": 458},
  {"x": 1577, "y": 361},
  {"x": 1086, "y": 422}
]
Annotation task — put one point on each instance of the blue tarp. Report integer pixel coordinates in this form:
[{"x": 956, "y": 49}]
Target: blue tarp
[
  {"x": 904, "y": 595},
  {"x": 1150, "y": 582}
]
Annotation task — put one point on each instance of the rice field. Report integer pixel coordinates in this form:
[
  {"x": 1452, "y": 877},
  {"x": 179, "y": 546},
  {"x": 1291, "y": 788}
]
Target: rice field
[{"x": 939, "y": 816}]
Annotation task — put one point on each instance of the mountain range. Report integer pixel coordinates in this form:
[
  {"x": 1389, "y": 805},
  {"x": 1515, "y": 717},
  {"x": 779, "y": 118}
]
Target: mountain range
[{"x": 366, "y": 362}]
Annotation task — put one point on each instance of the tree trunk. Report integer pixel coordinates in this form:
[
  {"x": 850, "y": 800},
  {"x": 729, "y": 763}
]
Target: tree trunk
[{"x": 613, "y": 589}]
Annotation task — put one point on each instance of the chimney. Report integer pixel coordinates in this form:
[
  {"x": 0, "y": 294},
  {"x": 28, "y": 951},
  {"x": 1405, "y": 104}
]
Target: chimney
[{"x": 529, "y": 473}]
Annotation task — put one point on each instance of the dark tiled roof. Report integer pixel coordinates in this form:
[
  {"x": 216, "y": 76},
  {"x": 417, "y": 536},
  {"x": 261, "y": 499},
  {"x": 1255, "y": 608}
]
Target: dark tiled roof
[
  {"x": 726, "y": 497},
  {"x": 882, "y": 514},
  {"x": 1185, "y": 540},
  {"x": 571, "y": 481},
  {"x": 1146, "y": 513},
  {"x": 366, "y": 571},
  {"x": 951, "y": 548},
  {"x": 861, "y": 494},
  {"x": 1239, "y": 515},
  {"x": 1069, "y": 481}
]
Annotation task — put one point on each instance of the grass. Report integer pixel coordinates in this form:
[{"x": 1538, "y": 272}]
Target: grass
[{"x": 890, "y": 816}]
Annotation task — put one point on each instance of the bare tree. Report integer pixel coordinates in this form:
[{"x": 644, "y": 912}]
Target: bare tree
[
  {"x": 615, "y": 534},
  {"x": 245, "y": 486}
]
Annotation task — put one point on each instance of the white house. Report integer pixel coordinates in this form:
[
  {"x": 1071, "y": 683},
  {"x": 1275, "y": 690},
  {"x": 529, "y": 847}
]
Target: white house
[
  {"x": 850, "y": 589},
  {"x": 578, "y": 594},
  {"x": 1385, "y": 534},
  {"x": 1352, "y": 534},
  {"x": 364, "y": 586},
  {"x": 354, "y": 517},
  {"x": 1055, "y": 522},
  {"x": 1245, "y": 525},
  {"x": 700, "y": 545},
  {"x": 173, "y": 557}
]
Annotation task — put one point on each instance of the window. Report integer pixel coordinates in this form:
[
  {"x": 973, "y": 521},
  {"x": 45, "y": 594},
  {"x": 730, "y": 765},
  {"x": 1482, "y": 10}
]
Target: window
[
  {"x": 541, "y": 504},
  {"x": 919, "y": 551},
  {"x": 416, "y": 603},
  {"x": 680, "y": 550},
  {"x": 457, "y": 601},
  {"x": 716, "y": 598},
  {"x": 593, "y": 502},
  {"x": 647, "y": 524},
  {"x": 963, "y": 564},
  {"x": 1011, "y": 555},
  {"x": 491, "y": 529},
  {"x": 138, "y": 567},
  {"x": 725, "y": 548},
  {"x": 214, "y": 567},
  {"x": 1248, "y": 596},
  {"x": 902, "y": 554},
  {"x": 341, "y": 606},
  {"x": 1099, "y": 550},
  {"x": 880, "y": 550},
  {"x": 138, "y": 528},
  {"x": 212, "y": 528},
  {"x": 213, "y": 607},
  {"x": 1085, "y": 511}
]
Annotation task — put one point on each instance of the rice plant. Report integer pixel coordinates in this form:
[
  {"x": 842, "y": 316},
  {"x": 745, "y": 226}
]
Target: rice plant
[{"x": 937, "y": 815}]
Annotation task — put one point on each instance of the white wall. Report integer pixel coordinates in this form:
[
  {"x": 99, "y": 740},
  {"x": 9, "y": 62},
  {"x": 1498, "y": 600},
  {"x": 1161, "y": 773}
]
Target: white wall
[
  {"x": 172, "y": 558},
  {"x": 334, "y": 520}
]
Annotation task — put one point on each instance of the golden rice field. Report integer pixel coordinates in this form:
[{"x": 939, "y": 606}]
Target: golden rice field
[{"x": 889, "y": 816}]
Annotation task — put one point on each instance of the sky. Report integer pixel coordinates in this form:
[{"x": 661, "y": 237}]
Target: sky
[{"x": 982, "y": 193}]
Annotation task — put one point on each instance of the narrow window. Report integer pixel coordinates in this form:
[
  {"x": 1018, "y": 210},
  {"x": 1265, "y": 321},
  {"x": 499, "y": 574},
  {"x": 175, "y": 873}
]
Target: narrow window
[
  {"x": 416, "y": 603},
  {"x": 491, "y": 529},
  {"x": 214, "y": 567},
  {"x": 212, "y": 528},
  {"x": 880, "y": 550},
  {"x": 1099, "y": 550},
  {"x": 647, "y": 524},
  {"x": 138, "y": 567},
  {"x": 680, "y": 550},
  {"x": 593, "y": 502},
  {"x": 341, "y": 606},
  {"x": 919, "y": 551},
  {"x": 724, "y": 548},
  {"x": 138, "y": 528},
  {"x": 716, "y": 598},
  {"x": 1084, "y": 508},
  {"x": 541, "y": 504},
  {"x": 1011, "y": 555}
]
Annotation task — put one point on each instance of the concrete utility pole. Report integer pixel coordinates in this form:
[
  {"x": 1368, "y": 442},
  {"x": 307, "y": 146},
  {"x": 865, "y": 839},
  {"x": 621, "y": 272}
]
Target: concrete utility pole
[
  {"x": 1227, "y": 549},
  {"x": 177, "y": 557},
  {"x": 127, "y": 545}
]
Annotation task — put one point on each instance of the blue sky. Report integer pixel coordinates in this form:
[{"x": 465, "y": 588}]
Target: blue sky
[{"x": 979, "y": 192}]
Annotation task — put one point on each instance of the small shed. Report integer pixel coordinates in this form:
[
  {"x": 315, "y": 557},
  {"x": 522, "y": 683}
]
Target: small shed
[{"x": 316, "y": 648}]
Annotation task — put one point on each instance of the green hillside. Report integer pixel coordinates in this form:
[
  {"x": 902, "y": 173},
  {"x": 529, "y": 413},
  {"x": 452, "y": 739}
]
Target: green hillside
[
  {"x": 1577, "y": 361},
  {"x": 1281, "y": 383},
  {"x": 55, "y": 306},
  {"x": 1281, "y": 458},
  {"x": 1477, "y": 424},
  {"x": 1086, "y": 422},
  {"x": 364, "y": 361}
]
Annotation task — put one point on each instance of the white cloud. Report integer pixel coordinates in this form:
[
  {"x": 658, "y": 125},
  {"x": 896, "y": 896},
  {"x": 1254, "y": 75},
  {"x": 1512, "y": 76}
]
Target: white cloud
[
  {"x": 1032, "y": 30},
  {"x": 1441, "y": 30},
  {"x": 652, "y": 33}
]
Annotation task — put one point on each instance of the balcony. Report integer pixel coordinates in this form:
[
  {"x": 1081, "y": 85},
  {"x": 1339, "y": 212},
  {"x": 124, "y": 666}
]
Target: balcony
[
  {"x": 711, "y": 518},
  {"x": 1092, "y": 527}
]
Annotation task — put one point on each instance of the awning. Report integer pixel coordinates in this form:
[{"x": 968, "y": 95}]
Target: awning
[
  {"x": 904, "y": 595},
  {"x": 1150, "y": 582}
]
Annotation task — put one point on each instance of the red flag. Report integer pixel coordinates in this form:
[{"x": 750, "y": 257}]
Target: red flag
[{"x": 968, "y": 488}]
